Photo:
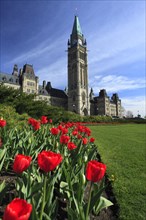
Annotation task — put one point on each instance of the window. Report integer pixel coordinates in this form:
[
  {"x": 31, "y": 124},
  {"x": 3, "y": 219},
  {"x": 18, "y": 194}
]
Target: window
[
  {"x": 82, "y": 56},
  {"x": 11, "y": 80},
  {"x": 83, "y": 96},
  {"x": 74, "y": 97},
  {"x": 30, "y": 83}
]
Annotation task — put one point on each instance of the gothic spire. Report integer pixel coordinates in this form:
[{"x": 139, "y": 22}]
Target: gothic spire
[{"x": 76, "y": 27}]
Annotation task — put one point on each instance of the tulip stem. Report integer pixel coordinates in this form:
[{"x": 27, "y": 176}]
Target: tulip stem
[
  {"x": 89, "y": 200},
  {"x": 44, "y": 197}
]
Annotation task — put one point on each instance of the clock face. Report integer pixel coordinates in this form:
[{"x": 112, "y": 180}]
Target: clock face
[{"x": 80, "y": 42}]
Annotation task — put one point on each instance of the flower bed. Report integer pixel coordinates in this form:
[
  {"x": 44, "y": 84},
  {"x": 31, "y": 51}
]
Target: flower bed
[{"x": 53, "y": 166}]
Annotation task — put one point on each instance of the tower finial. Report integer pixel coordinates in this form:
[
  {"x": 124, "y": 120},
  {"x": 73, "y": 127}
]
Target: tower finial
[{"x": 76, "y": 12}]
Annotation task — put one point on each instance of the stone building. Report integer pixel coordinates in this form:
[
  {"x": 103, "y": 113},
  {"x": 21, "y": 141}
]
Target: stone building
[
  {"x": 26, "y": 80},
  {"x": 76, "y": 98},
  {"x": 103, "y": 105}
]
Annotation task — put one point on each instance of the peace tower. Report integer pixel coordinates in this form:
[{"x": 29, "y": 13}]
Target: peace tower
[{"x": 78, "y": 99}]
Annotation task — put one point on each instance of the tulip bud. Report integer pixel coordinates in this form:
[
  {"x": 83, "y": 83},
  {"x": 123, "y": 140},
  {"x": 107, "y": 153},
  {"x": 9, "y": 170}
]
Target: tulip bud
[
  {"x": 85, "y": 158},
  {"x": 83, "y": 179},
  {"x": 29, "y": 140}
]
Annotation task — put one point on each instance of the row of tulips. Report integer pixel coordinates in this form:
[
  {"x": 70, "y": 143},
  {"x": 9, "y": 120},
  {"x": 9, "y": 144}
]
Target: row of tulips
[{"x": 54, "y": 165}]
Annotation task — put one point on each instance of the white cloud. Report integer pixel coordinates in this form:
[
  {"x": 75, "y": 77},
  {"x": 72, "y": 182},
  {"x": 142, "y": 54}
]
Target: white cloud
[
  {"x": 56, "y": 73},
  {"x": 46, "y": 48},
  {"x": 137, "y": 105},
  {"x": 114, "y": 83}
]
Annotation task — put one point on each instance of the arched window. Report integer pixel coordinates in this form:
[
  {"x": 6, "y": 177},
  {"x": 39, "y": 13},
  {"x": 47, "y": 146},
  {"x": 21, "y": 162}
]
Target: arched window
[
  {"x": 83, "y": 96},
  {"x": 74, "y": 97}
]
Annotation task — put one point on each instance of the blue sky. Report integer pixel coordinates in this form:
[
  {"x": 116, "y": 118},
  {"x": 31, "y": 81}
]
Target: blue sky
[{"x": 36, "y": 32}]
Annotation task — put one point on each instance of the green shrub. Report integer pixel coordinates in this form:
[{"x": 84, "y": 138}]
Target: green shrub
[{"x": 9, "y": 114}]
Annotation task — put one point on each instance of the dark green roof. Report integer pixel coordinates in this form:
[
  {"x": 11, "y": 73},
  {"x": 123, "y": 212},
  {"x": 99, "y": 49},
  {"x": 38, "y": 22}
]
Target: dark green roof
[
  {"x": 52, "y": 92},
  {"x": 7, "y": 78},
  {"x": 76, "y": 27}
]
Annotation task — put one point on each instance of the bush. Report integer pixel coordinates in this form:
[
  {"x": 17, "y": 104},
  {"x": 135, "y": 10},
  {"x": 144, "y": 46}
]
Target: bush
[
  {"x": 9, "y": 114},
  {"x": 97, "y": 119}
]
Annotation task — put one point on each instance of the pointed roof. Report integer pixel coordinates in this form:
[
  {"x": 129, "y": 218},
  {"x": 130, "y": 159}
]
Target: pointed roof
[{"x": 76, "y": 27}]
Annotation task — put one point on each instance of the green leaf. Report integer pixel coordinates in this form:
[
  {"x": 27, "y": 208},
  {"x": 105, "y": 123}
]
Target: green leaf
[
  {"x": 2, "y": 186},
  {"x": 94, "y": 199},
  {"x": 64, "y": 188},
  {"x": 71, "y": 214},
  {"x": 46, "y": 216},
  {"x": 2, "y": 162},
  {"x": 34, "y": 215},
  {"x": 63, "y": 184},
  {"x": 103, "y": 203},
  {"x": 53, "y": 209},
  {"x": 35, "y": 189},
  {"x": 91, "y": 154},
  {"x": 2, "y": 153}
]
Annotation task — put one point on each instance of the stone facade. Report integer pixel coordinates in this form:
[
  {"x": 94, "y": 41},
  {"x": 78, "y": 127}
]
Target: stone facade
[
  {"x": 76, "y": 98},
  {"x": 104, "y": 105}
]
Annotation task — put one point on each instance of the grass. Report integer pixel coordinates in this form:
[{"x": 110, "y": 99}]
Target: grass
[{"x": 123, "y": 150}]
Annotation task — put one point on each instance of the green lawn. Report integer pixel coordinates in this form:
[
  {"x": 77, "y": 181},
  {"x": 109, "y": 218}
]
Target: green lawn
[{"x": 123, "y": 150}]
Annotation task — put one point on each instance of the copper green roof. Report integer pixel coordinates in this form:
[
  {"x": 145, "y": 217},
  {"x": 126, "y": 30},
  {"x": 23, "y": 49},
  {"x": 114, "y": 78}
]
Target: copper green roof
[{"x": 76, "y": 27}]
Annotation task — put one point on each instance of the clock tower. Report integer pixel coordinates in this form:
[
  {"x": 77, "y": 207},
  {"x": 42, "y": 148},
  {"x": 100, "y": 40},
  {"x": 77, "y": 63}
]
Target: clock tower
[{"x": 78, "y": 99}]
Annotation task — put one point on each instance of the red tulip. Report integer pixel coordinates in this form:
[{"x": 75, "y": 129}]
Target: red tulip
[
  {"x": 80, "y": 128},
  {"x": 64, "y": 139},
  {"x": 48, "y": 160},
  {"x": 21, "y": 163},
  {"x": 87, "y": 131},
  {"x": 44, "y": 120},
  {"x": 18, "y": 209},
  {"x": 92, "y": 140},
  {"x": 64, "y": 131},
  {"x": 79, "y": 136},
  {"x": 95, "y": 171},
  {"x": 36, "y": 125},
  {"x": 84, "y": 141},
  {"x": 54, "y": 131},
  {"x": 31, "y": 121},
  {"x": 60, "y": 127},
  {"x": 50, "y": 121},
  {"x": 71, "y": 146},
  {"x": 74, "y": 133},
  {"x": 2, "y": 123}
]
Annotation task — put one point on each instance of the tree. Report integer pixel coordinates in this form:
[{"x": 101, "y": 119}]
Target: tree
[
  {"x": 123, "y": 111},
  {"x": 129, "y": 114}
]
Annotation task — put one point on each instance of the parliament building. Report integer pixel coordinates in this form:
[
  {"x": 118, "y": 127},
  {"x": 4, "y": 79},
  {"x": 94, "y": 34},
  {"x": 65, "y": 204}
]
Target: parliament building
[{"x": 76, "y": 97}]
